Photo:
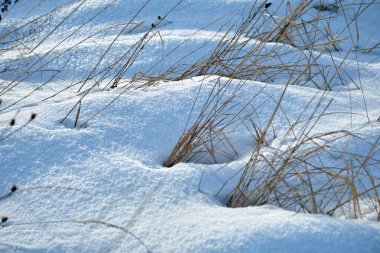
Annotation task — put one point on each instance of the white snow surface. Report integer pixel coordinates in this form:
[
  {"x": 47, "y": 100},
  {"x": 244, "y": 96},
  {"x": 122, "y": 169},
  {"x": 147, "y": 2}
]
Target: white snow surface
[{"x": 103, "y": 188}]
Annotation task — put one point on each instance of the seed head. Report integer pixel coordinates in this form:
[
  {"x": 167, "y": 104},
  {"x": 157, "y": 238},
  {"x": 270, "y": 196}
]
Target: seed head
[{"x": 14, "y": 188}]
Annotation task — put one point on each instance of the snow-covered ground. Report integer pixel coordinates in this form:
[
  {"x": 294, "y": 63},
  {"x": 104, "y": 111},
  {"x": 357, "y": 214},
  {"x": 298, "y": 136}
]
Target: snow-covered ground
[{"x": 102, "y": 188}]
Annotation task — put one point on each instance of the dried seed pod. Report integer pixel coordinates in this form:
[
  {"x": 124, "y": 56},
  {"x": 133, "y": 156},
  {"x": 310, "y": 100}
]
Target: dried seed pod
[{"x": 14, "y": 188}]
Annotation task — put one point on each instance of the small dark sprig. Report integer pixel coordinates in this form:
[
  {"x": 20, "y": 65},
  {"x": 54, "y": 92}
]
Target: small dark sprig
[
  {"x": 33, "y": 116},
  {"x": 4, "y": 219},
  {"x": 14, "y": 188}
]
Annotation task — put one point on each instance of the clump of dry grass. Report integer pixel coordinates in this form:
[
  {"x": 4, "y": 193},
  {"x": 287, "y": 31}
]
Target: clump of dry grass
[
  {"x": 207, "y": 140},
  {"x": 315, "y": 173},
  {"x": 208, "y": 130}
]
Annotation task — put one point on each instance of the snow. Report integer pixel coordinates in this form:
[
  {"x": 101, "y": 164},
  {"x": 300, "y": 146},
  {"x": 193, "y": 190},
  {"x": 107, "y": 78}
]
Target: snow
[{"x": 103, "y": 188}]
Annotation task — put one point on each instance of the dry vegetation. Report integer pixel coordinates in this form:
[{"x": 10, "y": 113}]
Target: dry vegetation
[
  {"x": 259, "y": 48},
  {"x": 300, "y": 177}
]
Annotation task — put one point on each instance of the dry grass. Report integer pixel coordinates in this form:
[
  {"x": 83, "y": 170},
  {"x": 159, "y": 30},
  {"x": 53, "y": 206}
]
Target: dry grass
[
  {"x": 301, "y": 176},
  {"x": 262, "y": 47},
  {"x": 315, "y": 173}
]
